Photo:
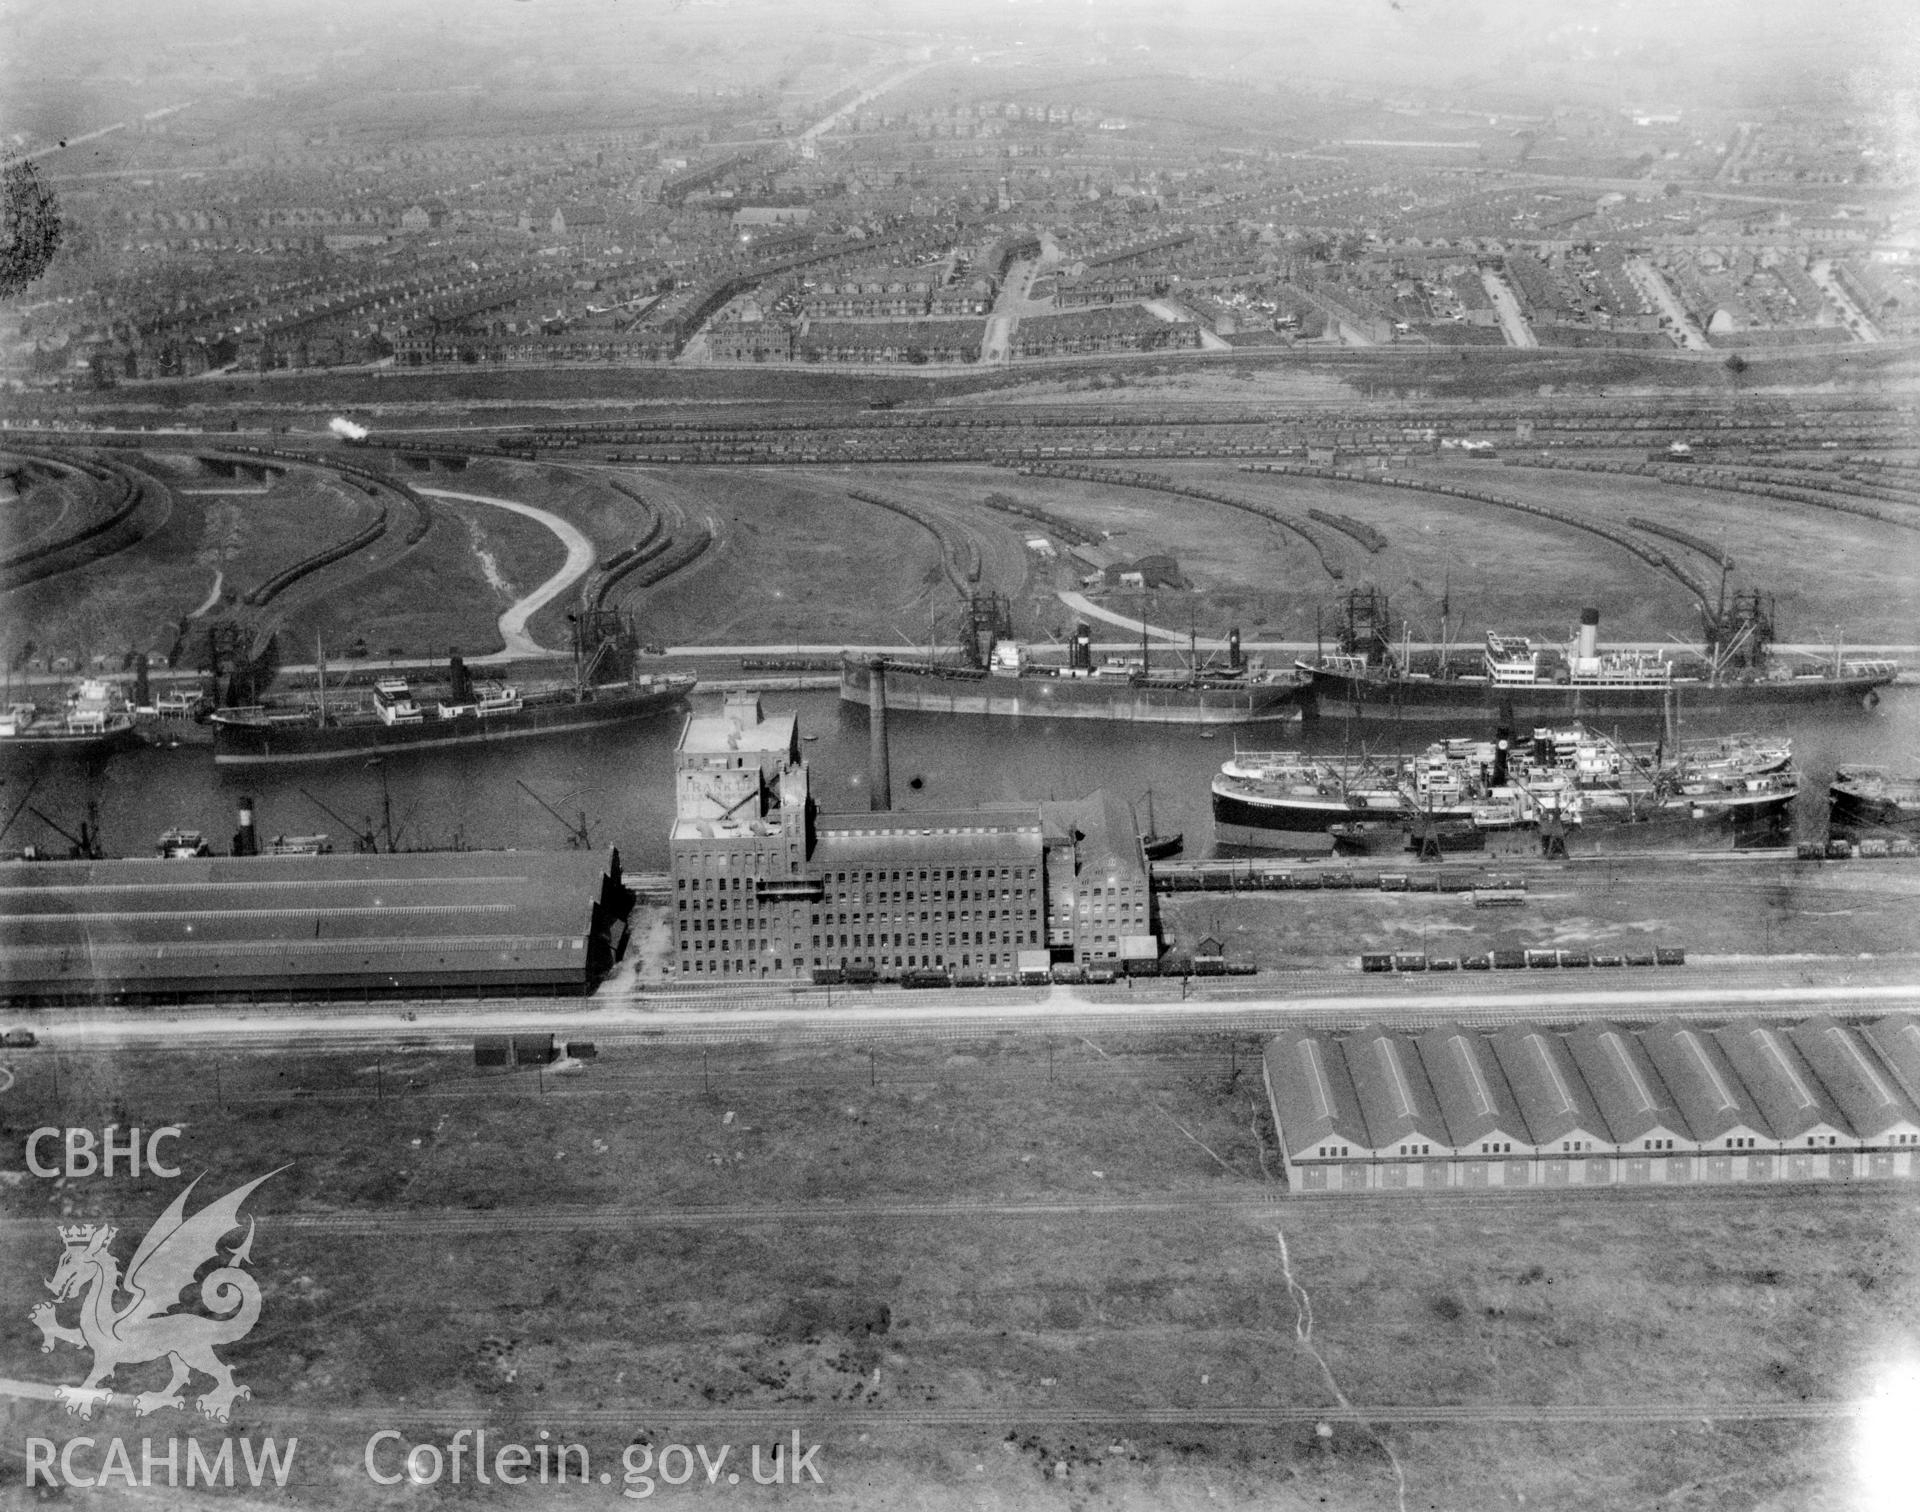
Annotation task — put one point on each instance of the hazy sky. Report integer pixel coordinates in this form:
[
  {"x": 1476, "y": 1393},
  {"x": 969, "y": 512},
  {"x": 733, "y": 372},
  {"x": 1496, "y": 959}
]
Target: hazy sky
[{"x": 66, "y": 67}]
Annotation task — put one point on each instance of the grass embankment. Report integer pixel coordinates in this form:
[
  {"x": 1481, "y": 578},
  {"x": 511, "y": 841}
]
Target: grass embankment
[
  {"x": 796, "y": 560},
  {"x": 137, "y": 597},
  {"x": 1060, "y": 1327}
]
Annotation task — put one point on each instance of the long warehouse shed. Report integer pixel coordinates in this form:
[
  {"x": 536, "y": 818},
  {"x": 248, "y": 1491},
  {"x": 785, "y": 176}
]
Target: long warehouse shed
[
  {"x": 413, "y": 925},
  {"x": 1680, "y": 1102}
]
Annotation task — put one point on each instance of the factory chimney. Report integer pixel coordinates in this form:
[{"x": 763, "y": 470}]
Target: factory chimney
[
  {"x": 246, "y": 841},
  {"x": 1589, "y": 634},
  {"x": 879, "y": 776}
]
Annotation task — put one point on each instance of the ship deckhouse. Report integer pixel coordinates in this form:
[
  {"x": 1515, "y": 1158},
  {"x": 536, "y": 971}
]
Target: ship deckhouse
[{"x": 1511, "y": 661}]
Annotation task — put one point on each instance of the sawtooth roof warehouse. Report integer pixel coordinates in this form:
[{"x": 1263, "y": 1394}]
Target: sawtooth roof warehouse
[{"x": 1678, "y": 1102}]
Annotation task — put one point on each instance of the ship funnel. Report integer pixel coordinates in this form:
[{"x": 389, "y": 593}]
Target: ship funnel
[
  {"x": 879, "y": 777},
  {"x": 246, "y": 839},
  {"x": 1080, "y": 658},
  {"x": 1234, "y": 659},
  {"x": 1589, "y": 634}
]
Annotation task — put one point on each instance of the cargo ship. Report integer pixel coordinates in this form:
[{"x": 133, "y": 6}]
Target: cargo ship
[
  {"x": 1011, "y": 685},
  {"x": 399, "y": 719},
  {"x": 1870, "y": 801},
  {"x": 94, "y": 722},
  {"x": 1563, "y": 791},
  {"x": 1369, "y": 676}
]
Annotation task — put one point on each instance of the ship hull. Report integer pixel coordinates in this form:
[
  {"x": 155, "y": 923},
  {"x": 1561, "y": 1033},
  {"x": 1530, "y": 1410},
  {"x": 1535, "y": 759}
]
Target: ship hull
[
  {"x": 237, "y": 744},
  {"x": 1306, "y": 824},
  {"x": 953, "y": 690},
  {"x": 1335, "y": 695},
  {"x": 1869, "y": 806},
  {"x": 29, "y": 750}
]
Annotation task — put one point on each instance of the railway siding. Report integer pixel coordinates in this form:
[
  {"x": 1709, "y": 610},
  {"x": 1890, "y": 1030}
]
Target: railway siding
[{"x": 1158, "y": 483}]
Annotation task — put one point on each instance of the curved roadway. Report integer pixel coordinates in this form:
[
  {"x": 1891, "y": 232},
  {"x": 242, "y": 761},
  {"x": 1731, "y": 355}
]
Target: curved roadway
[
  {"x": 1079, "y": 603},
  {"x": 580, "y": 558}
]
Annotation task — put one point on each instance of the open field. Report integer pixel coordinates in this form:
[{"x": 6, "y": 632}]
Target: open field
[
  {"x": 944, "y": 1356},
  {"x": 797, "y": 560}
]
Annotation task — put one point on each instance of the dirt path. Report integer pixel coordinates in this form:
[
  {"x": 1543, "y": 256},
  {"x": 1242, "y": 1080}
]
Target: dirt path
[
  {"x": 1079, "y": 603},
  {"x": 579, "y": 562}
]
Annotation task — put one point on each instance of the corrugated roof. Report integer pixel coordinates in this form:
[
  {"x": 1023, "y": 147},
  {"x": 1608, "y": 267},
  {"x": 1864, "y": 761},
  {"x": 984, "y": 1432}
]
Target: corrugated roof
[
  {"x": 1897, "y": 1038},
  {"x": 1853, "y": 1076},
  {"x": 1475, "y": 1100},
  {"x": 1313, "y": 1094},
  {"x": 1547, "y": 1085},
  {"x": 1395, "y": 1096},
  {"x": 1625, "y": 1086},
  {"x": 1784, "y": 1087},
  {"x": 989, "y": 817},
  {"x": 972, "y": 837},
  {"x": 1105, "y": 837},
  {"x": 1709, "y": 1093},
  {"x": 77, "y": 924}
]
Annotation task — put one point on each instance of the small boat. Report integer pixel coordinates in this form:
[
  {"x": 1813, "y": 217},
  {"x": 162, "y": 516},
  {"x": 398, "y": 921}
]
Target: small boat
[
  {"x": 181, "y": 844},
  {"x": 1156, "y": 845}
]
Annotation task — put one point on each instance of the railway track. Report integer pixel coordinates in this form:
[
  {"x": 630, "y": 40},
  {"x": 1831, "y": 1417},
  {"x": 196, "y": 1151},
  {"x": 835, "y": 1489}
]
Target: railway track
[
  {"x": 1412, "y": 1003},
  {"x": 781, "y": 1417},
  {"x": 1255, "y": 1203},
  {"x": 959, "y": 555}
]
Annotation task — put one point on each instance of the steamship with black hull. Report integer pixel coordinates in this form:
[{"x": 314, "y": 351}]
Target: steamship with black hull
[
  {"x": 399, "y": 718},
  {"x": 1570, "y": 789},
  {"x": 1871, "y": 802},
  {"x": 1006, "y": 683},
  {"x": 1369, "y": 676}
]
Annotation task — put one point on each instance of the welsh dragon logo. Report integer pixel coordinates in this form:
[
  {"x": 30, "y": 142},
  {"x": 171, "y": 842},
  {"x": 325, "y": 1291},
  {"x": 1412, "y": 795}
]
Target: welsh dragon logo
[{"x": 146, "y": 1327}]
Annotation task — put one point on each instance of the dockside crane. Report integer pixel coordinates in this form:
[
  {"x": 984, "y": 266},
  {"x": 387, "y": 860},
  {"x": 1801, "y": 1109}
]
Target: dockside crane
[
  {"x": 86, "y": 844},
  {"x": 577, "y": 836},
  {"x": 365, "y": 839}
]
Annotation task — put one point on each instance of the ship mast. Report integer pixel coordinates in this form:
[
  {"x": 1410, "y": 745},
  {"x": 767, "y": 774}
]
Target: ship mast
[{"x": 320, "y": 674}]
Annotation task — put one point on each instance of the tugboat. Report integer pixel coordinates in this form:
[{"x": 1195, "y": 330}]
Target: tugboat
[
  {"x": 181, "y": 844},
  {"x": 1159, "y": 847}
]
